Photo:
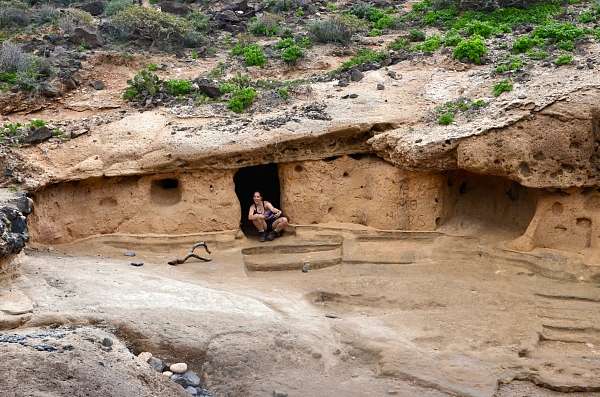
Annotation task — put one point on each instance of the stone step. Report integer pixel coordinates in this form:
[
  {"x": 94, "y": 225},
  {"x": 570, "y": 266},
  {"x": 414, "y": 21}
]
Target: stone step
[{"x": 274, "y": 257}]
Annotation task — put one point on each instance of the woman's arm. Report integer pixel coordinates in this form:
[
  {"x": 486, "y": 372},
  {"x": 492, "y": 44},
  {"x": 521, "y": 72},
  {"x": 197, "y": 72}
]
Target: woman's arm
[
  {"x": 274, "y": 210},
  {"x": 251, "y": 215}
]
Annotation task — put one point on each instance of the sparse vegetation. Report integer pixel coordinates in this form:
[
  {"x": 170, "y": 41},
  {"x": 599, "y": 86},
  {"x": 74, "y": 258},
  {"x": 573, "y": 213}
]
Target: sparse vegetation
[
  {"x": 430, "y": 45},
  {"x": 510, "y": 65},
  {"x": 416, "y": 35},
  {"x": 333, "y": 30},
  {"x": 241, "y": 99},
  {"x": 145, "y": 84},
  {"x": 178, "y": 87},
  {"x": 446, "y": 118},
  {"x": 448, "y": 110},
  {"x": 472, "y": 49},
  {"x": 363, "y": 56},
  {"x": 502, "y": 87},
  {"x": 115, "y": 6},
  {"x": 253, "y": 54},
  {"x": 265, "y": 25},
  {"x": 563, "y": 59},
  {"x": 154, "y": 27}
]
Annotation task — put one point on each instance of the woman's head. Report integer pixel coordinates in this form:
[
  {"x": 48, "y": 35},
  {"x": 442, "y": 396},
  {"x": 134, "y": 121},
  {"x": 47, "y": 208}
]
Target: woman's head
[{"x": 257, "y": 197}]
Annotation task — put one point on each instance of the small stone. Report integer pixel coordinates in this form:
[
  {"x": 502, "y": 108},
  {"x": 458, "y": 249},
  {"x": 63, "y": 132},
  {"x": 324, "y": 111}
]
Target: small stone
[
  {"x": 392, "y": 392},
  {"x": 317, "y": 355},
  {"x": 356, "y": 75},
  {"x": 168, "y": 373},
  {"x": 98, "y": 85},
  {"x": 107, "y": 342},
  {"x": 129, "y": 253},
  {"x": 178, "y": 378},
  {"x": 392, "y": 74},
  {"x": 305, "y": 267},
  {"x": 277, "y": 393},
  {"x": 343, "y": 83},
  {"x": 380, "y": 86},
  {"x": 144, "y": 356},
  {"x": 137, "y": 264},
  {"x": 157, "y": 364},
  {"x": 191, "y": 390},
  {"x": 353, "y": 96},
  {"x": 178, "y": 368},
  {"x": 191, "y": 378}
]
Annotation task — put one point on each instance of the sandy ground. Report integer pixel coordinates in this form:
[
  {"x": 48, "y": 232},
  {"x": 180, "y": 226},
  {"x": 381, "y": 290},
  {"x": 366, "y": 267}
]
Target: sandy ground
[{"x": 449, "y": 324}]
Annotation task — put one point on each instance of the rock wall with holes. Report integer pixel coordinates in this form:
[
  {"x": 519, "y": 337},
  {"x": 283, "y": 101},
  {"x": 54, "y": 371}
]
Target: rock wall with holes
[
  {"x": 154, "y": 204},
  {"x": 566, "y": 220},
  {"x": 361, "y": 189}
]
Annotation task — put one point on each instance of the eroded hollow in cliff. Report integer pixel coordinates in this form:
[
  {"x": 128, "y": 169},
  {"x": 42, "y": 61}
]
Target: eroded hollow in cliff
[
  {"x": 347, "y": 191},
  {"x": 260, "y": 178}
]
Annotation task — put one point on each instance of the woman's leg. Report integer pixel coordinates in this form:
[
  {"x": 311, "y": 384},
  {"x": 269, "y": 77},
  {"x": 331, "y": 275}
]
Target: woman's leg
[
  {"x": 280, "y": 224},
  {"x": 260, "y": 224}
]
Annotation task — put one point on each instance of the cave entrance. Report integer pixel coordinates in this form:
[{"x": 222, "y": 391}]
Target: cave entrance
[{"x": 262, "y": 178}]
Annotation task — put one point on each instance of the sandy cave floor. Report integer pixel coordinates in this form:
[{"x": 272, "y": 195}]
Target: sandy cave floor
[{"x": 435, "y": 327}]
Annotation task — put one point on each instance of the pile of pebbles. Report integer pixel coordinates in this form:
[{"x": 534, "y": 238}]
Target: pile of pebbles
[{"x": 178, "y": 373}]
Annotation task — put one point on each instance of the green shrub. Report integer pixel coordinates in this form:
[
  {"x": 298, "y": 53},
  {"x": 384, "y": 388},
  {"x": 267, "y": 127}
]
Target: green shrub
[
  {"x": 566, "y": 45},
  {"x": 253, "y": 54},
  {"x": 292, "y": 54},
  {"x": 14, "y": 14},
  {"x": 72, "y": 18},
  {"x": 556, "y": 32},
  {"x": 178, "y": 87},
  {"x": 564, "y": 59},
  {"x": 333, "y": 30},
  {"x": 510, "y": 65},
  {"x": 588, "y": 16},
  {"x": 241, "y": 99},
  {"x": 537, "y": 54},
  {"x": 144, "y": 84},
  {"x": 284, "y": 93},
  {"x": 265, "y": 25},
  {"x": 115, "y": 6},
  {"x": 452, "y": 38},
  {"x": 524, "y": 43},
  {"x": 430, "y": 45},
  {"x": 472, "y": 49},
  {"x": 363, "y": 56},
  {"x": 501, "y": 87},
  {"x": 446, "y": 118},
  {"x": 8, "y": 77},
  {"x": 482, "y": 28},
  {"x": 199, "y": 21},
  {"x": 37, "y": 123},
  {"x": 401, "y": 43},
  {"x": 379, "y": 19},
  {"x": 416, "y": 35},
  {"x": 151, "y": 25}
]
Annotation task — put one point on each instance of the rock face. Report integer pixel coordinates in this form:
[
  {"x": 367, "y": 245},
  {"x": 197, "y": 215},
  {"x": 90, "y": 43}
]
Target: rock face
[
  {"x": 360, "y": 189},
  {"x": 13, "y": 226},
  {"x": 179, "y": 203}
]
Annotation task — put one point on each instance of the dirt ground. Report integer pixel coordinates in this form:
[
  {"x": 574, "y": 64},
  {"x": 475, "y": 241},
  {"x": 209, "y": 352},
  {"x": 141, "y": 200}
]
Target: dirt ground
[{"x": 453, "y": 321}]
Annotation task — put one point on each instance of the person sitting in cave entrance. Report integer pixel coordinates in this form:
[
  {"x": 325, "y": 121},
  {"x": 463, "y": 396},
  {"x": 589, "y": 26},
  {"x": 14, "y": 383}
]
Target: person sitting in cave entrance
[{"x": 266, "y": 218}]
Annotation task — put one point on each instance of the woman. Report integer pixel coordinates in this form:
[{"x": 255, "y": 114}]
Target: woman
[{"x": 266, "y": 218}]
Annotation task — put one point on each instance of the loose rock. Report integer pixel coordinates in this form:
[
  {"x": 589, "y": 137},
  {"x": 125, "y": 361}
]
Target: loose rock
[
  {"x": 168, "y": 373},
  {"x": 144, "y": 356},
  {"x": 157, "y": 364},
  {"x": 178, "y": 368},
  {"x": 191, "y": 378}
]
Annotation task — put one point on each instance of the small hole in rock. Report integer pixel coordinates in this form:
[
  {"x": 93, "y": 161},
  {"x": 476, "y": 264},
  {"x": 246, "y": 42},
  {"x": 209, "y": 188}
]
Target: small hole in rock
[
  {"x": 298, "y": 168},
  {"x": 166, "y": 191}
]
